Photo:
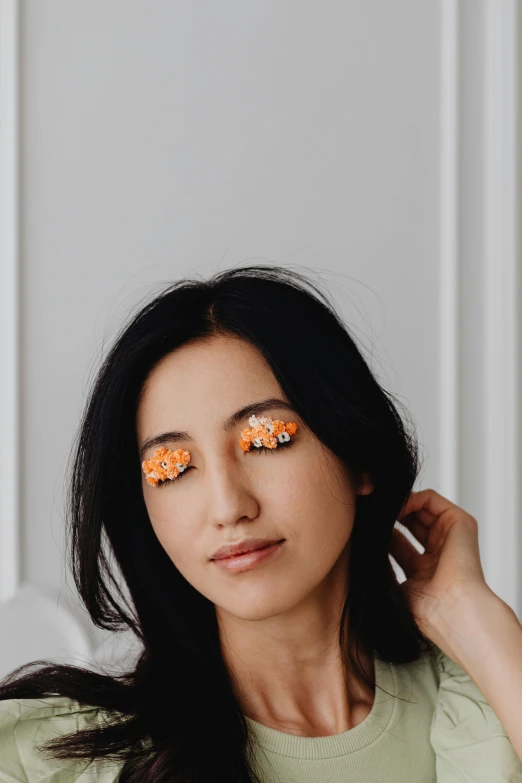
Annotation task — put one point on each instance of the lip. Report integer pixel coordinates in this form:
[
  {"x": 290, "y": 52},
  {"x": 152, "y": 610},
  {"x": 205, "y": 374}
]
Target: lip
[
  {"x": 241, "y": 547},
  {"x": 246, "y": 560}
]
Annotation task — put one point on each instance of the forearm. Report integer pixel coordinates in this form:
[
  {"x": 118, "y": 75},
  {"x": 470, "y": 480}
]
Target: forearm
[{"x": 484, "y": 636}]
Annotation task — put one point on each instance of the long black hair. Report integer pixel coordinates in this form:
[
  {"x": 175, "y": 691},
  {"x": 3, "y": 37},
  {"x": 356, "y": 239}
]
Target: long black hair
[{"x": 174, "y": 717}]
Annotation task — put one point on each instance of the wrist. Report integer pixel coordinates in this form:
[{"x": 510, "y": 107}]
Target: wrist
[{"x": 468, "y": 628}]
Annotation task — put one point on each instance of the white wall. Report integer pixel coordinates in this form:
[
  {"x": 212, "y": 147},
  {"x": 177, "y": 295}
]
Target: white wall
[{"x": 357, "y": 139}]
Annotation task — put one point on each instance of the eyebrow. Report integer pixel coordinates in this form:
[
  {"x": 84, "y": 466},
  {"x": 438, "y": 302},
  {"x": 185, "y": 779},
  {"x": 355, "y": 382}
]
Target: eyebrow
[{"x": 251, "y": 409}]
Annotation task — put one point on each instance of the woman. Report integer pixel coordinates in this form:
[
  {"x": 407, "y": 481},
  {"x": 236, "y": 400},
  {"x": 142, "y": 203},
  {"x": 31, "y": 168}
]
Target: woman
[{"x": 304, "y": 660}]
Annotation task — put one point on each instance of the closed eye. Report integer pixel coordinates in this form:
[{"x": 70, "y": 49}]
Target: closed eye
[
  {"x": 162, "y": 483},
  {"x": 283, "y": 445}
]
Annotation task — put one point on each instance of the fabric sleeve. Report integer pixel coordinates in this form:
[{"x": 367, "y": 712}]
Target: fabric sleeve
[
  {"x": 25, "y": 723},
  {"x": 470, "y": 743}
]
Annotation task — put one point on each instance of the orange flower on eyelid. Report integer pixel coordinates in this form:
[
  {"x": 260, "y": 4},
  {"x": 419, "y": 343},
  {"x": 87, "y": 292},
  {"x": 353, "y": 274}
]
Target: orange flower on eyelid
[
  {"x": 264, "y": 431},
  {"x": 165, "y": 464}
]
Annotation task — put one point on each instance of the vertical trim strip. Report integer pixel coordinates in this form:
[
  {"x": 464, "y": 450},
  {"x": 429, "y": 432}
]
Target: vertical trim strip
[
  {"x": 9, "y": 300},
  {"x": 448, "y": 205},
  {"x": 501, "y": 350}
]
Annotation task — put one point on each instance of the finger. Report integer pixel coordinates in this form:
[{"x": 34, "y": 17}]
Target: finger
[
  {"x": 429, "y": 505},
  {"x": 419, "y": 525}
]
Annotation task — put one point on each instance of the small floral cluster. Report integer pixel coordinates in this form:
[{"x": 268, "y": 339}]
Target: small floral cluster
[
  {"x": 267, "y": 432},
  {"x": 165, "y": 464}
]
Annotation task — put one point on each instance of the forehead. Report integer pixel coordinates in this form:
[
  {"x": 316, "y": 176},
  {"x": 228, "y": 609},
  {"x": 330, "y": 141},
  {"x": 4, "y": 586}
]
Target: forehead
[{"x": 204, "y": 381}]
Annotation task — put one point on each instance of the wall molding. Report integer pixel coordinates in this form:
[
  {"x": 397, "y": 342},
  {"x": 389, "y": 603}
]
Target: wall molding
[
  {"x": 449, "y": 216},
  {"x": 501, "y": 291},
  {"x": 10, "y": 387},
  {"x": 480, "y": 356}
]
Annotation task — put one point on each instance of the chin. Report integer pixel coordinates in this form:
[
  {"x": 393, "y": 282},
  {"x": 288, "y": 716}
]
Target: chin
[{"x": 261, "y": 603}]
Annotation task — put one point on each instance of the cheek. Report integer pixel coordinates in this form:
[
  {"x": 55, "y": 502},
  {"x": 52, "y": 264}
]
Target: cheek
[
  {"x": 319, "y": 505},
  {"x": 157, "y": 505}
]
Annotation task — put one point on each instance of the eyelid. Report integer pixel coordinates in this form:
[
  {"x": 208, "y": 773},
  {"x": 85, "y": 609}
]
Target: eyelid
[
  {"x": 283, "y": 445},
  {"x": 163, "y": 483},
  {"x": 250, "y": 440},
  {"x": 165, "y": 464},
  {"x": 263, "y": 429}
]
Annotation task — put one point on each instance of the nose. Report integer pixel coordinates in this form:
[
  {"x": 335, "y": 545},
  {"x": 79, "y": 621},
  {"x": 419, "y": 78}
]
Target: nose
[{"x": 229, "y": 499}]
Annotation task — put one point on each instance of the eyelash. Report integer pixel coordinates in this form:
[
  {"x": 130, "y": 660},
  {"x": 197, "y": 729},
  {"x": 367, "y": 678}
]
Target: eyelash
[{"x": 283, "y": 445}]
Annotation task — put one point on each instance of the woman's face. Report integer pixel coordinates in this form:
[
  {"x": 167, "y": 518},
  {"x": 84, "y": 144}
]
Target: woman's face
[{"x": 300, "y": 493}]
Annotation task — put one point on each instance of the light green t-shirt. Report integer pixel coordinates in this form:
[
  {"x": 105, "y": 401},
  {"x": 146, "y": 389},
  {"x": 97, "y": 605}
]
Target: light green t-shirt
[{"x": 443, "y": 731}]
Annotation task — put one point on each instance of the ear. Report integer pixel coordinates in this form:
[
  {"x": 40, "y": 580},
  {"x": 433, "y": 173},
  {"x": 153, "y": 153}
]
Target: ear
[{"x": 366, "y": 485}]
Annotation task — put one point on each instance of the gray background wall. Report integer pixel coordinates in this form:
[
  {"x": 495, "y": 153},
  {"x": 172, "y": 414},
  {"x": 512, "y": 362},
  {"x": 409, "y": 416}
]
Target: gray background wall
[{"x": 353, "y": 140}]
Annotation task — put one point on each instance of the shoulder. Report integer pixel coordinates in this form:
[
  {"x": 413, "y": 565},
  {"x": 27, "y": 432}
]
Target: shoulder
[
  {"x": 27, "y": 723},
  {"x": 469, "y": 741}
]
